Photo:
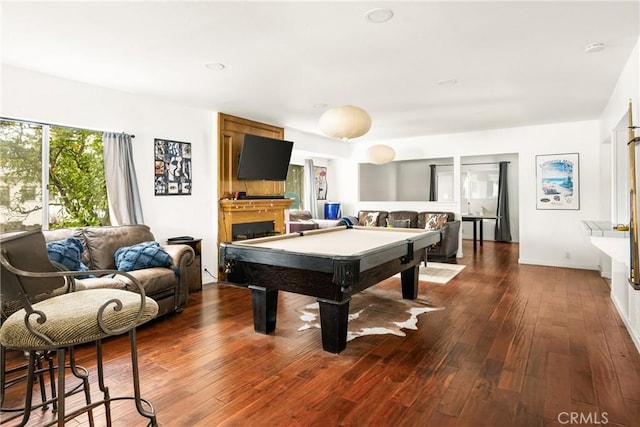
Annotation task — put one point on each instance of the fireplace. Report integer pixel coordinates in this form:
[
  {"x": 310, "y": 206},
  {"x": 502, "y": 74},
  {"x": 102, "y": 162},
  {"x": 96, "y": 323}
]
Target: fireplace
[
  {"x": 234, "y": 212},
  {"x": 252, "y": 230},
  {"x": 242, "y": 212}
]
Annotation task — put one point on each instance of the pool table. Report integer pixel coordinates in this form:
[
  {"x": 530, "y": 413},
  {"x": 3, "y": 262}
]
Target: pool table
[{"x": 330, "y": 264}]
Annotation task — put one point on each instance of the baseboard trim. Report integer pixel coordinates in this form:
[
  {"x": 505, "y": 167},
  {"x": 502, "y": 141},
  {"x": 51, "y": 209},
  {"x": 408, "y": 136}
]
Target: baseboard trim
[
  {"x": 605, "y": 274},
  {"x": 630, "y": 331},
  {"x": 558, "y": 264}
]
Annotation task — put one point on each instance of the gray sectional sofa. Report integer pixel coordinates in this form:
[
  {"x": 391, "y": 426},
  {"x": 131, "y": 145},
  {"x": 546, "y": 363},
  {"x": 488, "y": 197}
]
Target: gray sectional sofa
[{"x": 444, "y": 222}]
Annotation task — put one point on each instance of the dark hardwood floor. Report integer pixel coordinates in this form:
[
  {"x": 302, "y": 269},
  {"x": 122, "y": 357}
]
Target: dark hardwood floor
[{"x": 516, "y": 345}]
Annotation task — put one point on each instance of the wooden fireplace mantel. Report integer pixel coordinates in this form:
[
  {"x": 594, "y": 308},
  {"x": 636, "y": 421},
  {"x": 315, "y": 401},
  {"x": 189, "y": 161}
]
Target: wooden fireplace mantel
[
  {"x": 231, "y": 131},
  {"x": 243, "y": 211}
]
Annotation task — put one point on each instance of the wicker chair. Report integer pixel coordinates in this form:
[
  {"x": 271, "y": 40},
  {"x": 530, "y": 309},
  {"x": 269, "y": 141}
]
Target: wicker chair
[{"x": 58, "y": 323}]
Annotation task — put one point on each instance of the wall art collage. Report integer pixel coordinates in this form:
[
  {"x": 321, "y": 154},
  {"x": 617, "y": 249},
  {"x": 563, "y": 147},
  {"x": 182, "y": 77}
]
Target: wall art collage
[{"x": 172, "y": 165}]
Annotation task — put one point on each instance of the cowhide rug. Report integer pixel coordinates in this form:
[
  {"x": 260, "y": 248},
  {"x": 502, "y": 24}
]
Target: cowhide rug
[{"x": 374, "y": 312}]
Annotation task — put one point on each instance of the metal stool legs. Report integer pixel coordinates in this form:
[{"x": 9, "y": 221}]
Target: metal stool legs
[
  {"x": 6, "y": 380},
  {"x": 78, "y": 372},
  {"x": 150, "y": 412},
  {"x": 143, "y": 406},
  {"x": 35, "y": 373}
]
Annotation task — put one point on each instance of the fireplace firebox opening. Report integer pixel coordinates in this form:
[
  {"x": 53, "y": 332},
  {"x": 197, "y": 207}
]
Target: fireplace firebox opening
[{"x": 252, "y": 230}]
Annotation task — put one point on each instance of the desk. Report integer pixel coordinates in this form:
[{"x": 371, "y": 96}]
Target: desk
[
  {"x": 330, "y": 264},
  {"x": 477, "y": 219}
]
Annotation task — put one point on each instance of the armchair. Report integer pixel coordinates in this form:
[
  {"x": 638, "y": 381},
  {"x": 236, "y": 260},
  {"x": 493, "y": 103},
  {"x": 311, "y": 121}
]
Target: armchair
[
  {"x": 53, "y": 321},
  {"x": 449, "y": 233}
]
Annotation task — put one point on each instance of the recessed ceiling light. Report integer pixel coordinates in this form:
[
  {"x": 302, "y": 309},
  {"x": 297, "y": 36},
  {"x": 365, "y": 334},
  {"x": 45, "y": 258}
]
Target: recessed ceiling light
[
  {"x": 594, "y": 47},
  {"x": 215, "y": 66},
  {"x": 379, "y": 15},
  {"x": 447, "y": 82}
]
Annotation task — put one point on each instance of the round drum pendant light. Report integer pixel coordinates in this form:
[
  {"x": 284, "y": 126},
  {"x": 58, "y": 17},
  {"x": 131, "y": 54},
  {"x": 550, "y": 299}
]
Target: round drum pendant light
[
  {"x": 345, "y": 122},
  {"x": 380, "y": 154}
]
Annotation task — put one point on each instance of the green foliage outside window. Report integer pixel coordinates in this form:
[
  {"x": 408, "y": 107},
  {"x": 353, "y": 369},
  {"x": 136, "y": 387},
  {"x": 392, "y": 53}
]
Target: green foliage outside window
[
  {"x": 76, "y": 178},
  {"x": 20, "y": 167},
  {"x": 5, "y": 196},
  {"x": 77, "y": 188},
  {"x": 294, "y": 186}
]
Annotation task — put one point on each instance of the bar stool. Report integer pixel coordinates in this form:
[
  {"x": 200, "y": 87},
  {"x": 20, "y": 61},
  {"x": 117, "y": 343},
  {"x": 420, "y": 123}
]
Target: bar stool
[{"x": 59, "y": 323}]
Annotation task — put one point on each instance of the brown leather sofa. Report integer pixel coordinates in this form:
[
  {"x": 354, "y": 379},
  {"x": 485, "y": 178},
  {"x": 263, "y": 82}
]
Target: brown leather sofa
[
  {"x": 449, "y": 231},
  {"x": 166, "y": 285},
  {"x": 299, "y": 221}
]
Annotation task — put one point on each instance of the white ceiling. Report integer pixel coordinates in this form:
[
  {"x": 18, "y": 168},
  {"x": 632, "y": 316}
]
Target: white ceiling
[{"x": 516, "y": 63}]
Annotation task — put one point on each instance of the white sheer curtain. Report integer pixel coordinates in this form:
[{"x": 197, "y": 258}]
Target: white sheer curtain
[
  {"x": 122, "y": 184},
  {"x": 310, "y": 201}
]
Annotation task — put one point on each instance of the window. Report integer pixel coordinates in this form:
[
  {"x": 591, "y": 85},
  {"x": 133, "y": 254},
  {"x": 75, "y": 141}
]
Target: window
[
  {"x": 294, "y": 186},
  {"x": 444, "y": 179},
  {"x": 73, "y": 173},
  {"x": 480, "y": 188},
  {"x": 5, "y": 196}
]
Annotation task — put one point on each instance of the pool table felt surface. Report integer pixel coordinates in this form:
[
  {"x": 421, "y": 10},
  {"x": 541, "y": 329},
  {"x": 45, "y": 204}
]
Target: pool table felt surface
[{"x": 337, "y": 241}]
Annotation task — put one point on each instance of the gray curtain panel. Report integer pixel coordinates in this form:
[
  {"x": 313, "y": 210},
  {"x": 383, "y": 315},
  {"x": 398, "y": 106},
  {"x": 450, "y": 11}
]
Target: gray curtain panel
[
  {"x": 310, "y": 201},
  {"x": 432, "y": 183},
  {"x": 122, "y": 184},
  {"x": 503, "y": 227}
]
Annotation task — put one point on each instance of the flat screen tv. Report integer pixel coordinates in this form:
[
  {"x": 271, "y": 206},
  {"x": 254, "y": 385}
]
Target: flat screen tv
[{"x": 264, "y": 158}]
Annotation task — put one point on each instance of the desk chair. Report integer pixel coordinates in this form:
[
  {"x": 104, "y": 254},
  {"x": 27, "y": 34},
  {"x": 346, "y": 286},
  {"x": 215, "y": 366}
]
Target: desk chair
[{"x": 59, "y": 323}]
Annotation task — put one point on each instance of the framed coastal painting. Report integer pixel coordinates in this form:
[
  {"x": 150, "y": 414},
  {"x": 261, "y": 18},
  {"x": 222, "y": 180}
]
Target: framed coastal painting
[
  {"x": 558, "y": 181},
  {"x": 172, "y": 166}
]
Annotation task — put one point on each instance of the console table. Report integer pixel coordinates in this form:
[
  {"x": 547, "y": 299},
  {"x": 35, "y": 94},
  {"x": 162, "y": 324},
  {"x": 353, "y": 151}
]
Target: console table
[{"x": 477, "y": 219}]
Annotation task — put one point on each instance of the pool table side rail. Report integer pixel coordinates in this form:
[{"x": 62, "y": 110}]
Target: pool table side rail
[{"x": 325, "y": 262}]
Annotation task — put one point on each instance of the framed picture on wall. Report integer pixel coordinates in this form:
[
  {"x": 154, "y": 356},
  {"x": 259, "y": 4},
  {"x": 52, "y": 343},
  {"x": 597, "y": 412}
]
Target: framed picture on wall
[
  {"x": 172, "y": 167},
  {"x": 558, "y": 181},
  {"x": 320, "y": 175}
]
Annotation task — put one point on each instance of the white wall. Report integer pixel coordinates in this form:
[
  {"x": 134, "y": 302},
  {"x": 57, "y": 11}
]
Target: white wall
[
  {"x": 546, "y": 237},
  {"x": 613, "y": 129},
  {"x": 307, "y": 145},
  {"x": 627, "y": 89},
  {"x": 614, "y": 171},
  {"x": 42, "y": 98},
  {"x": 322, "y": 151},
  {"x": 613, "y": 121}
]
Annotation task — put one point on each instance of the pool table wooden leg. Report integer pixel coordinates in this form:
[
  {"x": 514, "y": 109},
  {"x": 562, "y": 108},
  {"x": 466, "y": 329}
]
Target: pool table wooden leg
[
  {"x": 409, "y": 279},
  {"x": 334, "y": 317},
  {"x": 265, "y": 308}
]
